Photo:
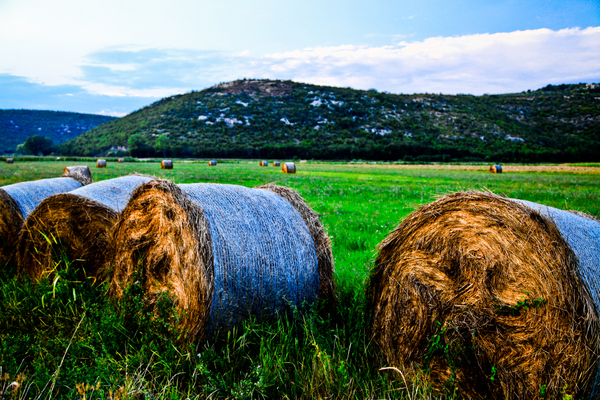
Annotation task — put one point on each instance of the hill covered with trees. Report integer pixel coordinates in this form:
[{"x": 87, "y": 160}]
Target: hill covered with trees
[
  {"x": 18, "y": 125},
  {"x": 285, "y": 119}
]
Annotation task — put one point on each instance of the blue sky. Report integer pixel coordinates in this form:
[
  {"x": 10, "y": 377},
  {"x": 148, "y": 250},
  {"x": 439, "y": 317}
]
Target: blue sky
[{"x": 116, "y": 56}]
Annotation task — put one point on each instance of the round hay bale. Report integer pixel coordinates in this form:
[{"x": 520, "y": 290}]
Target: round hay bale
[
  {"x": 81, "y": 173},
  {"x": 223, "y": 252},
  {"x": 17, "y": 201},
  {"x": 212, "y": 163},
  {"x": 276, "y": 163},
  {"x": 264, "y": 163},
  {"x": 474, "y": 286},
  {"x": 76, "y": 224},
  {"x": 121, "y": 160},
  {"x": 10, "y": 161},
  {"x": 496, "y": 169},
  {"x": 319, "y": 236},
  {"x": 166, "y": 164},
  {"x": 101, "y": 163},
  {"x": 288, "y": 168}
]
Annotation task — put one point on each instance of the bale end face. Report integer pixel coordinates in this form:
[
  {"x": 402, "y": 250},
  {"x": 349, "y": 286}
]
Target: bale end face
[
  {"x": 65, "y": 225},
  {"x": 163, "y": 237},
  {"x": 495, "y": 284},
  {"x": 166, "y": 164},
  {"x": 81, "y": 173},
  {"x": 289, "y": 168},
  {"x": 11, "y": 221},
  {"x": 101, "y": 164}
]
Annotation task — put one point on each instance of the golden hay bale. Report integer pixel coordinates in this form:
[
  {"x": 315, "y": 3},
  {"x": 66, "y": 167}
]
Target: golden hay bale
[
  {"x": 101, "y": 163},
  {"x": 319, "y": 236},
  {"x": 212, "y": 163},
  {"x": 288, "y": 168},
  {"x": 474, "y": 286},
  {"x": 10, "y": 160},
  {"x": 76, "y": 224},
  {"x": 166, "y": 164},
  {"x": 264, "y": 163},
  {"x": 221, "y": 251},
  {"x": 121, "y": 160},
  {"x": 17, "y": 201},
  {"x": 496, "y": 169},
  {"x": 276, "y": 163},
  {"x": 81, "y": 173}
]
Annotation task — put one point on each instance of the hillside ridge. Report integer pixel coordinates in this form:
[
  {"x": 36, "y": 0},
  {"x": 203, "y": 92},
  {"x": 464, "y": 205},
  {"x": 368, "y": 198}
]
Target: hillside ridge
[{"x": 285, "y": 119}]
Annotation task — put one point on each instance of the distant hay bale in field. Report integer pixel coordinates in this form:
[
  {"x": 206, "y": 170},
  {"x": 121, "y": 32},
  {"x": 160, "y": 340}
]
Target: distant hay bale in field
[
  {"x": 77, "y": 223},
  {"x": 121, "y": 160},
  {"x": 101, "y": 163},
  {"x": 17, "y": 201},
  {"x": 319, "y": 236},
  {"x": 81, "y": 173},
  {"x": 212, "y": 163},
  {"x": 276, "y": 163},
  {"x": 475, "y": 286},
  {"x": 10, "y": 160},
  {"x": 288, "y": 168},
  {"x": 166, "y": 164},
  {"x": 496, "y": 169},
  {"x": 264, "y": 163},
  {"x": 222, "y": 251}
]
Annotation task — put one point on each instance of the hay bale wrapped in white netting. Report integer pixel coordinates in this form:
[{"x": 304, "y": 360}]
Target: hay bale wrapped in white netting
[
  {"x": 77, "y": 225},
  {"x": 224, "y": 252},
  {"x": 475, "y": 286},
  {"x": 17, "y": 201}
]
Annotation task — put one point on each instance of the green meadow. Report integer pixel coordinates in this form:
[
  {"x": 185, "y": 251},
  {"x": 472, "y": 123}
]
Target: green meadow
[{"x": 65, "y": 339}]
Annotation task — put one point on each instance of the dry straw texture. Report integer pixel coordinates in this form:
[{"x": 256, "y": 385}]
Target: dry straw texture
[
  {"x": 222, "y": 251},
  {"x": 474, "y": 287},
  {"x": 319, "y": 236},
  {"x": 496, "y": 169},
  {"x": 75, "y": 224},
  {"x": 166, "y": 164},
  {"x": 288, "y": 168},
  {"x": 81, "y": 173},
  {"x": 101, "y": 164},
  {"x": 18, "y": 201}
]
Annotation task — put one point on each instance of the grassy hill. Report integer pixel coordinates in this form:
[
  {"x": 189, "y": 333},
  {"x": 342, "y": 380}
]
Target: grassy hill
[
  {"x": 18, "y": 125},
  {"x": 284, "y": 119}
]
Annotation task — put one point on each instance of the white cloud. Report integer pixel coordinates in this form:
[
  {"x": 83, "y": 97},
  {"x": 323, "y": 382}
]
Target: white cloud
[{"x": 483, "y": 63}]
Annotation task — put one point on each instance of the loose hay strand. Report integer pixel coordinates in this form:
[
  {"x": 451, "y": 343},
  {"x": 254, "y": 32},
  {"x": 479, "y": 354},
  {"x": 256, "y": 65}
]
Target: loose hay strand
[{"x": 474, "y": 281}]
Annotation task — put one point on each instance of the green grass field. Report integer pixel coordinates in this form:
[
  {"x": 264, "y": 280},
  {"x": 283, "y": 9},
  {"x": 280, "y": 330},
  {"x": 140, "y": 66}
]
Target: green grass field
[{"x": 64, "y": 338}]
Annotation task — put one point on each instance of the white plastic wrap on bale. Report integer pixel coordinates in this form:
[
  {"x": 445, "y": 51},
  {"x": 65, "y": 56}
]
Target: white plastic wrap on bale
[
  {"x": 113, "y": 193},
  {"x": 28, "y": 195},
  {"x": 264, "y": 255},
  {"x": 583, "y": 236}
]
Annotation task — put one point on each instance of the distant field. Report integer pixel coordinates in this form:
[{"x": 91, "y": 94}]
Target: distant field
[{"x": 359, "y": 205}]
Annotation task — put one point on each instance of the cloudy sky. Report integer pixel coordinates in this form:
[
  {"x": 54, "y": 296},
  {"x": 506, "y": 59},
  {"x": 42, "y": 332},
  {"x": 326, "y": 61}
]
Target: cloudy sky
[{"x": 116, "y": 56}]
